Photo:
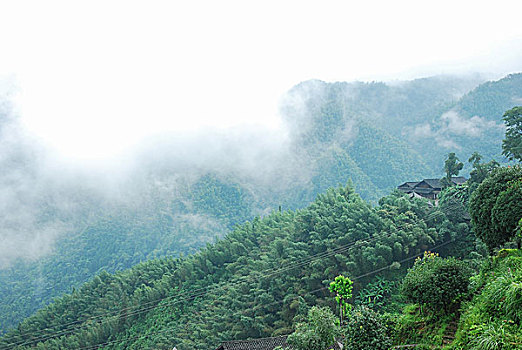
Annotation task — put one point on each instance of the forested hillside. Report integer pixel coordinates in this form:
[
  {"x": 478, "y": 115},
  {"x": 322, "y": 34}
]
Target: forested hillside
[
  {"x": 252, "y": 283},
  {"x": 180, "y": 198}
]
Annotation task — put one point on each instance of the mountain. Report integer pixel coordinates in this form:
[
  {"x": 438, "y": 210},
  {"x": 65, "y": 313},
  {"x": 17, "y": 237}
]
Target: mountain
[
  {"x": 181, "y": 194},
  {"x": 254, "y": 283}
]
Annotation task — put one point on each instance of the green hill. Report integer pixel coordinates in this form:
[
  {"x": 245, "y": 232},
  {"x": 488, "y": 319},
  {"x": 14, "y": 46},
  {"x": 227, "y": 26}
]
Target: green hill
[
  {"x": 377, "y": 135},
  {"x": 255, "y": 282}
]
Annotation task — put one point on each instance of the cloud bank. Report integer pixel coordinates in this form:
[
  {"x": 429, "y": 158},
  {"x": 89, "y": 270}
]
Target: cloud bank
[
  {"x": 450, "y": 125},
  {"x": 44, "y": 196}
]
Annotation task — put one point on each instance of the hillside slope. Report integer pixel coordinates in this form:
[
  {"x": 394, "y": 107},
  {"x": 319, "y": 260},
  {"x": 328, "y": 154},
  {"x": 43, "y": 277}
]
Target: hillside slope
[
  {"x": 493, "y": 318},
  {"x": 253, "y": 283},
  {"x": 377, "y": 135}
]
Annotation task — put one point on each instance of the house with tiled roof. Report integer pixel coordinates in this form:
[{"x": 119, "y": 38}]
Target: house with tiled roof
[
  {"x": 407, "y": 187},
  {"x": 427, "y": 188},
  {"x": 254, "y": 344},
  {"x": 264, "y": 344}
]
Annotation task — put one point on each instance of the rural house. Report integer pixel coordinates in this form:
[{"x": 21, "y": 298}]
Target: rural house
[
  {"x": 427, "y": 188},
  {"x": 263, "y": 344}
]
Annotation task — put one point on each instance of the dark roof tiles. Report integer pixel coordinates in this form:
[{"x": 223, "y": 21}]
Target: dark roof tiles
[
  {"x": 459, "y": 180},
  {"x": 263, "y": 344},
  {"x": 254, "y": 344}
]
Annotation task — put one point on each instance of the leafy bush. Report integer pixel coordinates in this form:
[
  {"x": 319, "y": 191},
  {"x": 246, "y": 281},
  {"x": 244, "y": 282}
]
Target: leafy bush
[
  {"x": 317, "y": 333},
  {"x": 440, "y": 284},
  {"x": 493, "y": 317},
  {"x": 495, "y": 207},
  {"x": 367, "y": 331},
  {"x": 493, "y": 336},
  {"x": 376, "y": 294}
]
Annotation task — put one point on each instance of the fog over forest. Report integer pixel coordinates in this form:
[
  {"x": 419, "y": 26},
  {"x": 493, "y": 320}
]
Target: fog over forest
[
  {"x": 155, "y": 155},
  {"x": 46, "y": 195},
  {"x": 88, "y": 103}
]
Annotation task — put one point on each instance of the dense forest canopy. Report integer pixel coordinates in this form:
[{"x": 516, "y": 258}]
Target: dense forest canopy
[
  {"x": 253, "y": 283},
  {"x": 375, "y": 134}
]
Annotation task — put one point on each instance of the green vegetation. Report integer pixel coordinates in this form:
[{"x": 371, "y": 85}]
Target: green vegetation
[
  {"x": 492, "y": 319},
  {"x": 367, "y": 330},
  {"x": 342, "y": 288},
  {"x": 374, "y": 134},
  {"x": 317, "y": 333},
  {"x": 480, "y": 170},
  {"x": 256, "y": 282},
  {"x": 273, "y": 273},
  {"x": 512, "y": 144},
  {"x": 489, "y": 316},
  {"x": 377, "y": 294},
  {"x": 436, "y": 283},
  {"x": 452, "y": 167},
  {"x": 496, "y": 206}
]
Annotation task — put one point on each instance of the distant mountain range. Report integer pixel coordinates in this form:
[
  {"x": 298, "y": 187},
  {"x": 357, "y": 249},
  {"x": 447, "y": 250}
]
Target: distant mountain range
[{"x": 376, "y": 135}]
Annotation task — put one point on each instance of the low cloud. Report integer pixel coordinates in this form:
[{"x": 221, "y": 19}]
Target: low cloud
[
  {"x": 455, "y": 124},
  {"x": 44, "y": 197},
  {"x": 28, "y": 221},
  {"x": 449, "y": 126},
  {"x": 422, "y": 131}
]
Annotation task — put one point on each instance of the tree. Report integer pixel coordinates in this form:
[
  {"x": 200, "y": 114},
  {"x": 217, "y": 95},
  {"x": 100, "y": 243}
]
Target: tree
[
  {"x": 453, "y": 202},
  {"x": 342, "y": 287},
  {"x": 452, "y": 166},
  {"x": 480, "y": 170},
  {"x": 512, "y": 144},
  {"x": 495, "y": 207},
  {"x": 318, "y": 333},
  {"x": 519, "y": 234},
  {"x": 507, "y": 211},
  {"x": 367, "y": 331},
  {"x": 475, "y": 158},
  {"x": 437, "y": 283}
]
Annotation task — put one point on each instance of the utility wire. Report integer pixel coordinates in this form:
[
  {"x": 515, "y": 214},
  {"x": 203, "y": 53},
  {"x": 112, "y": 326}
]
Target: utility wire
[
  {"x": 274, "y": 270},
  {"x": 93, "y": 347},
  {"x": 202, "y": 291}
]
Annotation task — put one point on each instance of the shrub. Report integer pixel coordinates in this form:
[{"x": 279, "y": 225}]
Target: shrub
[
  {"x": 437, "y": 283},
  {"x": 367, "y": 331},
  {"x": 317, "y": 333}
]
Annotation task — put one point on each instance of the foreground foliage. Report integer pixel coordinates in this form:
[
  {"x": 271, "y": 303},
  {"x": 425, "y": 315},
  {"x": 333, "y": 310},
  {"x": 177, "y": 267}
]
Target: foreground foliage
[
  {"x": 493, "y": 318},
  {"x": 366, "y": 330},
  {"x": 490, "y": 318},
  {"x": 496, "y": 206},
  {"x": 436, "y": 283},
  {"x": 318, "y": 333},
  {"x": 256, "y": 282}
]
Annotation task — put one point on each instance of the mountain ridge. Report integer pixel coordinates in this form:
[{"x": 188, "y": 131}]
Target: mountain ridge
[{"x": 338, "y": 132}]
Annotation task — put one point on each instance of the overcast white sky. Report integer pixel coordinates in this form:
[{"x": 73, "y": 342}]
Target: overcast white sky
[{"x": 94, "y": 77}]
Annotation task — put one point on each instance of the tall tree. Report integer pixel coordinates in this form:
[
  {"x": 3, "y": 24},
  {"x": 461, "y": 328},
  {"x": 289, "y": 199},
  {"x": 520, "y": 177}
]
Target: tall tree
[
  {"x": 342, "y": 287},
  {"x": 480, "y": 170},
  {"x": 496, "y": 206},
  {"x": 512, "y": 144},
  {"x": 452, "y": 166}
]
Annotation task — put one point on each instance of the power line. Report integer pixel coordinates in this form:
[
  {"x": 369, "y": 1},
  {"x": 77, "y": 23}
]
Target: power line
[
  {"x": 196, "y": 293},
  {"x": 274, "y": 270},
  {"x": 93, "y": 347}
]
